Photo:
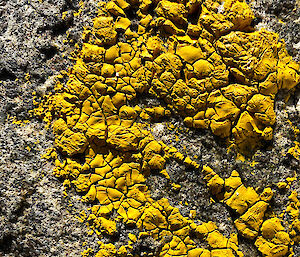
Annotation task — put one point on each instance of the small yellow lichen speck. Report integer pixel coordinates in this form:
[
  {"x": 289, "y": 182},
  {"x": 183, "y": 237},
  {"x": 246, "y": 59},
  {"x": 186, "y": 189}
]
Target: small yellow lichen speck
[
  {"x": 215, "y": 72},
  {"x": 175, "y": 187}
]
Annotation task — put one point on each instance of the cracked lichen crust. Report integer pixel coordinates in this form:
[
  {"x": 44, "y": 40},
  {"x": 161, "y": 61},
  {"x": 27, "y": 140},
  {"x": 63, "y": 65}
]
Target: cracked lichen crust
[
  {"x": 271, "y": 238},
  {"x": 205, "y": 62},
  {"x": 201, "y": 58}
]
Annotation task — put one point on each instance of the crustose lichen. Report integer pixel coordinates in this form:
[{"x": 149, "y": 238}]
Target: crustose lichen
[{"x": 207, "y": 64}]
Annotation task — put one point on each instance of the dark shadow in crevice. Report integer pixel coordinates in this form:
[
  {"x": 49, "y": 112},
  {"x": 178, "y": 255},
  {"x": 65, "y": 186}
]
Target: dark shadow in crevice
[
  {"x": 6, "y": 75},
  {"x": 6, "y": 243},
  {"x": 49, "y": 52},
  {"x": 60, "y": 28}
]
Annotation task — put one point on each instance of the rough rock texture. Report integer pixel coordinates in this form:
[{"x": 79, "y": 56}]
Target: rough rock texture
[{"x": 36, "y": 219}]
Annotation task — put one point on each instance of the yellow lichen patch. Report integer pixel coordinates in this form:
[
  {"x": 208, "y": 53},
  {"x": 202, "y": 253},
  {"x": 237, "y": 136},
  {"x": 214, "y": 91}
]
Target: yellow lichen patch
[
  {"x": 101, "y": 224},
  {"x": 224, "y": 16},
  {"x": 87, "y": 252},
  {"x": 295, "y": 150},
  {"x": 295, "y": 231},
  {"x": 248, "y": 224},
  {"x": 119, "y": 186},
  {"x": 19, "y": 122},
  {"x": 106, "y": 250},
  {"x": 293, "y": 207},
  {"x": 287, "y": 183},
  {"x": 293, "y": 212},
  {"x": 154, "y": 113},
  {"x": 274, "y": 242},
  {"x": 271, "y": 239},
  {"x": 282, "y": 185},
  {"x": 175, "y": 187},
  {"x": 191, "y": 71},
  {"x": 213, "y": 70},
  {"x": 243, "y": 200}
]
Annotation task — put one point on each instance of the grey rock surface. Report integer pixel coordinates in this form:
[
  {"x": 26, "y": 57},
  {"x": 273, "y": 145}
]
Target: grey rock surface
[{"x": 36, "y": 219}]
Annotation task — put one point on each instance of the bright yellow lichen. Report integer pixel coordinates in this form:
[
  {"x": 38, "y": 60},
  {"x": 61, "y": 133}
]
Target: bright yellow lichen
[
  {"x": 245, "y": 201},
  {"x": 295, "y": 150},
  {"x": 274, "y": 241},
  {"x": 206, "y": 63},
  {"x": 270, "y": 237},
  {"x": 294, "y": 213}
]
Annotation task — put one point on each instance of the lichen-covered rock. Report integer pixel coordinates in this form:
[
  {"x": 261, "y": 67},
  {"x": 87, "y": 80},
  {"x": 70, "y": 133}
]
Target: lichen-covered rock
[{"x": 206, "y": 65}]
